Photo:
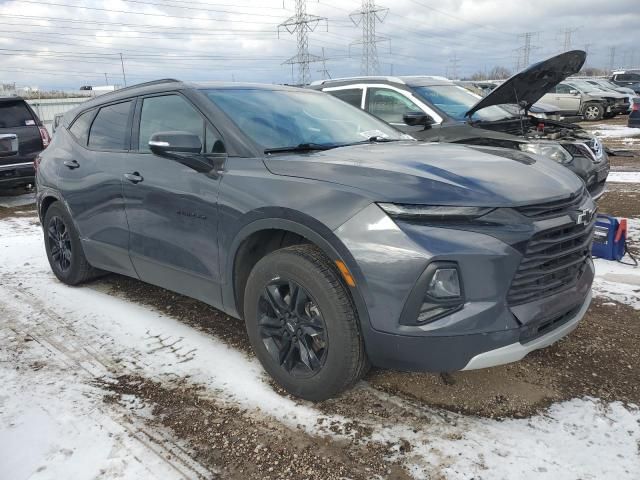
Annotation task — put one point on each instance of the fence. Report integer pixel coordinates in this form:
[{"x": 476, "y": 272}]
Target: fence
[{"x": 47, "y": 109}]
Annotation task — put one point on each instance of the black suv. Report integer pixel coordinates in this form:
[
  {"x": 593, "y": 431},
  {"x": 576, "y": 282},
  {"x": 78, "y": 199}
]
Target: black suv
[
  {"x": 438, "y": 110},
  {"x": 627, "y": 78},
  {"x": 30, "y": 137},
  {"x": 340, "y": 243}
]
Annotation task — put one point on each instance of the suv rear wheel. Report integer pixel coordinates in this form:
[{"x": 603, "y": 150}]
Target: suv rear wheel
[
  {"x": 64, "y": 250},
  {"x": 302, "y": 324},
  {"x": 593, "y": 111}
]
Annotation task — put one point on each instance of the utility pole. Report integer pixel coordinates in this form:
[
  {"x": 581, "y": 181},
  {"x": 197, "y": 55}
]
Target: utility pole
[
  {"x": 454, "y": 67},
  {"x": 612, "y": 58},
  {"x": 368, "y": 15},
  {"x": 124, "y": 75},
  {"x": 323, "y": 70},
  {"x": 301, "y": 24}
]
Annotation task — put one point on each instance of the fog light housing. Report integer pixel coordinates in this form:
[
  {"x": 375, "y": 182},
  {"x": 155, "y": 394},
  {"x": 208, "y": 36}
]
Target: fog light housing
[
  {"x": 445, "y": 283},
  {"x": 438, "y": 292}
]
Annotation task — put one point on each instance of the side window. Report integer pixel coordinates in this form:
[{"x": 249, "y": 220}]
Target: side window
[
  {"x": 561, "y": 88},
  {"x": 109, "y": 129},
  {"x": 353, "y": 96},
  {"x": 389, "y": 105},
  {"x": 80, "y": 128},
  {"x": 173, "y": 113},
  {"x": 634, "y": 77}
]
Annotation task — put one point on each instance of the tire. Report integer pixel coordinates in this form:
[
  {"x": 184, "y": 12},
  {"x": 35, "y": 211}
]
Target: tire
[
  {"x": 59, "y": 230},
  {"x": 305, "y": 273},
  {"x": 593, "y": 112}
]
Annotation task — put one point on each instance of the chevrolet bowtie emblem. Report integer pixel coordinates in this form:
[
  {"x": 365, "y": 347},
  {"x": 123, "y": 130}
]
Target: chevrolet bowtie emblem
[{"x": 584, "y": 217}]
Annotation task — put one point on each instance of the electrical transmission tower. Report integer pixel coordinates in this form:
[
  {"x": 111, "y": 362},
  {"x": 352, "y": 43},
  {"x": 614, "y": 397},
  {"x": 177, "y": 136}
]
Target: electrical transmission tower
[
  {"x": 301, "y": 24},
  {"x": 325, "y": 73},
  {"x": 453, "y": 71},
  {"x": 368, "y": 15},
  {"x": 567, "y": 38},
  {"x": 524, "y": 52},
  {"x": 612, "y": 58}
]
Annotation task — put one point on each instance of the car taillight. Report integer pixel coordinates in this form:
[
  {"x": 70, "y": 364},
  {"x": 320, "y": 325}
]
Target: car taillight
[
  {"x": 636, "y": 106},
  {"x": 44, "y": 135}
]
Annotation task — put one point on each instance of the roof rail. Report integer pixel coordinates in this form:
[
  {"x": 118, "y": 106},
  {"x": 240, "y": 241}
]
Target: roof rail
[
  {"x": 362, "y": 77},
  {"x": 143, "y": 84}
]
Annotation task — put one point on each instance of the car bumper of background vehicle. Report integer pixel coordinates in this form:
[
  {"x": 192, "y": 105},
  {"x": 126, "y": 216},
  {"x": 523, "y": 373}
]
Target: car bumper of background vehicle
[
  {"x": 16, "y": 174},
  {"x": 517, "y": 351}
]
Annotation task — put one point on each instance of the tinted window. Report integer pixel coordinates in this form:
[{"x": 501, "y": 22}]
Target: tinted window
[
  {"x": 109, "y": 129},
  {"x": 352, "y": 96},
  {"x": 169, "y": 113},
  {"x": 628, "y": 77},
  {"x": 80, "y": 128},
  {"x": 283, "y": 118},
  {"x": 389, "y": 105},
  {"x": 563, "y": 88},
  {"x": 15, "y": 114}
]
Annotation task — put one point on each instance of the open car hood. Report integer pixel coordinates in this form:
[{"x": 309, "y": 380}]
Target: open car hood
[{"x": 527, "y": 87}]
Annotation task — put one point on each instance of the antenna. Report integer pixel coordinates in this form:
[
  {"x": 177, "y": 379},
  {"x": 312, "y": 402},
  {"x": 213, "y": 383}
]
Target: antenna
[
  {"x": 301, "y": 24},
  {"x": 367, "y": 16}
]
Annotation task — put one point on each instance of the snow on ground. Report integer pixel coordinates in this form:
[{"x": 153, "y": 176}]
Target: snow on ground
[
  {"x": 614, "y": 131},
  {"x": 54, "y": 424},
  {"x": 623, "y": 177}
]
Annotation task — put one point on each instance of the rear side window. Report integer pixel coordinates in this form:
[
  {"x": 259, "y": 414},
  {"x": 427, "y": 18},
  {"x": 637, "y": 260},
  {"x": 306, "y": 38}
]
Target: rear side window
[
  {"x": 166, "y": 114},
  {"x": 80, "y": 128},
  {"x": 15, "y": 114},
  {"x": 109, "y": 130},
  {"x": 352, "y": 96}
]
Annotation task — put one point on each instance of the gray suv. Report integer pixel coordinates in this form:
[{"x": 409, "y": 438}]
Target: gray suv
[{"x": 339, "y": 242}]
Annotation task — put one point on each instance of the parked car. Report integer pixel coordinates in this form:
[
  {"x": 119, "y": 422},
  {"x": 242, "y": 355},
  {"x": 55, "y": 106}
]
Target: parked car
[
  {"x": 19, "y": 120},
  {"x": 627, "y": 78},
  {"x": 605, "y": 84},
  {"x": 614, "y": 103},
  {"x": 436, "y": 109},
  {"x": 634, "y": 116},
  {"x": 340, "y": 243}
]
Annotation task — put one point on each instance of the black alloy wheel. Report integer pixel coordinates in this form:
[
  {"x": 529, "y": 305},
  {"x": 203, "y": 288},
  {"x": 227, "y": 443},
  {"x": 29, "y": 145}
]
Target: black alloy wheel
[
  {"x": 59, "y": 244},
  {"x": 292, "y": 328}
]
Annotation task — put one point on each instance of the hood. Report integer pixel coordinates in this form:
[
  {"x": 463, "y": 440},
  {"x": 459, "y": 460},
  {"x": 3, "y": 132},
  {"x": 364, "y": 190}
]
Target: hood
[
  {"x": 435, "y": 173},
  {"x": 528, "y": 86}
]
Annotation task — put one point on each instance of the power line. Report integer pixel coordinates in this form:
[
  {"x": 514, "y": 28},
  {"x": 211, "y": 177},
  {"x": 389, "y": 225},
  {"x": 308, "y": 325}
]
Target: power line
[
  {"x": 368, "y": 15},
  {"x": 301, "y": 24}
]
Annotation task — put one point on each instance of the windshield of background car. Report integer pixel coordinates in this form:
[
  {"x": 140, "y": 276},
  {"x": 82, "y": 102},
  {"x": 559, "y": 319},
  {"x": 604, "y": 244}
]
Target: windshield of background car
[
  {"x": 586, "y": 87},
  {"x": 284, "y": 118},
  {"x": 455, "y": 101}
]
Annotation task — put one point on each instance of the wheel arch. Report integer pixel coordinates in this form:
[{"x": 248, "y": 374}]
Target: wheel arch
[{"x": 283, "y": 232}]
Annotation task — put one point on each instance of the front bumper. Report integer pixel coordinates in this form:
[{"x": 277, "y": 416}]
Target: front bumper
[
  {"x": 390, "y": 259},
  {"x": 517, "y": 350}
]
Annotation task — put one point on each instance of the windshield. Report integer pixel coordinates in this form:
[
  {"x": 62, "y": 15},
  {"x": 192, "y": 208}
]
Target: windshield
[
  {"x": 285, "y": 118},
  {"x": 586, "y": 87},
  {"x": 454, "y": 101}
]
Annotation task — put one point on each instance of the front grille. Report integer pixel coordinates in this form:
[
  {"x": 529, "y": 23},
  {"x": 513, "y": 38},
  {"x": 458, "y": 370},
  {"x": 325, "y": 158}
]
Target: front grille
[
  {"x": 553, "y": 261},
  {"x": 553, "y": 209}
]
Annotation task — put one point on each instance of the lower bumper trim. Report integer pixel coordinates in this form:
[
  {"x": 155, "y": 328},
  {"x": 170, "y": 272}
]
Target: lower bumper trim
[{"x": 517, "y": 351}]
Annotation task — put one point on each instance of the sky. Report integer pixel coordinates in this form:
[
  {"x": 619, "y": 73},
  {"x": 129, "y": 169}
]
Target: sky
[{"x": 63, "y": 44}]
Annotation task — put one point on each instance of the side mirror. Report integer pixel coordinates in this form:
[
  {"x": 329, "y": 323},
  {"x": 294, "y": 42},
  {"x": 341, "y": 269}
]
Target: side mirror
[
  {"x": 574, "y": 92},
  {"x": 8, "y": 145},
  {"x": 414, "y": 119},
  {"x": 166, "y": 143}
]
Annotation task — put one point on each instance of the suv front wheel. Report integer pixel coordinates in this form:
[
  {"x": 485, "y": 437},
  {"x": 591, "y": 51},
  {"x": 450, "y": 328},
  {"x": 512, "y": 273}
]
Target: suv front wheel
[
  {"x": 302, "y": 324},
  {"x": 593, "y": 112}
]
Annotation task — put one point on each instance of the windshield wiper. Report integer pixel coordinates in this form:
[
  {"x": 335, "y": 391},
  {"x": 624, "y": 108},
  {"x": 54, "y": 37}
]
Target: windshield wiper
[{"x": 303, "y": 147}]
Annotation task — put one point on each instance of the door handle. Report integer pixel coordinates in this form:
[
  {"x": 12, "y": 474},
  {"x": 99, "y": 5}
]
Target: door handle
[
  {"x": 71, "y": 164},
  {"x": 133, "y": 177}
]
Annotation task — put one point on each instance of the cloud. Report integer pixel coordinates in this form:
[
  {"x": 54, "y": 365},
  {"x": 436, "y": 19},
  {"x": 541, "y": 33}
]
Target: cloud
[{"x": 68, "y": 43}]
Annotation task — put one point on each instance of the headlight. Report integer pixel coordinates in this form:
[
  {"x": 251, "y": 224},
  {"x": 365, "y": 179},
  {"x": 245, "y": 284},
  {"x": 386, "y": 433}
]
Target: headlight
[
  {"x": 433, "y": 212},
  {"x": 550, "y": 150}
]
